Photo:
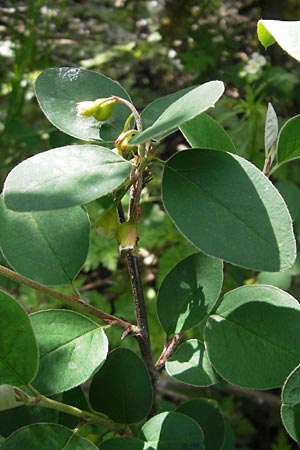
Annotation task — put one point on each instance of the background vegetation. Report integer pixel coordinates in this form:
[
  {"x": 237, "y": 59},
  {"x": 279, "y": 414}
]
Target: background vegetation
[{"x": 154, "y": 48}]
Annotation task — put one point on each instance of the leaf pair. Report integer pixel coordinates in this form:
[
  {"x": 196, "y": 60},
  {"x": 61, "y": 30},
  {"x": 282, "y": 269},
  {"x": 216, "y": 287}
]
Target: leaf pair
[{"x": 62, "y": 348}]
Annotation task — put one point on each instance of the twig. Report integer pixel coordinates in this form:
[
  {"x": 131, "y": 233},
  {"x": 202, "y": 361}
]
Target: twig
[
  {"x": 41, "y": 401},
  {"x": 167, "y": 351},
  {"x": 142, "y": 335},
  {"x": 70, "y": 300}
]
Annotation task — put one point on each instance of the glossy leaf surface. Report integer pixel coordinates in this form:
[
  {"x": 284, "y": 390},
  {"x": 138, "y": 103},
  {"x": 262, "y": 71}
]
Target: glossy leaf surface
[
  {"x": 47, "y": 246},
  {"x": 209, "y": 418},
  {"x": 204, "y": 132},
  {"x": 228, "y": 209},
  {"x": 71, "y": 346},
  {"x": 189, "y": 292},
  {"x": 173, "y": 431},
  {"x": 288, "y": 147},
  {"x": 64, "y": 177},
  {"x": 190, "y": 364},
  {"x": 58, "y": 91},
  {"x": 290, "y": 408},
  {"x": 185, "y": 108},
  {"x": 285, "y": 33},
  {"x": 248, "y": 340},
  {"x": 121, "y": 389},
  {"x": 46, "y": 436},
  {"x": 18, "y": 347}
]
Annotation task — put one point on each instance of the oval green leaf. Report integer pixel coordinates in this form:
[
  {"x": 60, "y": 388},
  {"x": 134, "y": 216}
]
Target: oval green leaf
[
  {"x": 64, "y": 177},
  {"x": 229, "y": 209},
  {"x": 124, "y": 444},
  {"x": 288, "y": 147},
  {"x": 189, "y": 292},
  {"x": 248, "y": 341},
  {"x": 205, "y": 132},
  {"x": 46, "y": 436},
  {"x": 185, "y": 108},
  {"x": 47, "y": 246},
  {"x": 282, "y": 280},
  {"x": 71, "y": 347},
  {"x": 121, "y": 389},
  {"x": 152, "y": 112},
  {"x": 285, "y": 33},
  {"x": 206, "y": 413},
  {"x": 18, "y": 347},
  {"x": 58, "y": 91},
  {"x": 290, "y": 408},
  {"x": 190, "y": 365},
  {"x": 173, "y": 431}
]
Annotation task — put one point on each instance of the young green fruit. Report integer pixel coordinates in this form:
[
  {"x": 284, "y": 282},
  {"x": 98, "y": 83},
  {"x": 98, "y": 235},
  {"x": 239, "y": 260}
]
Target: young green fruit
[{"x": 101, "y": 108}]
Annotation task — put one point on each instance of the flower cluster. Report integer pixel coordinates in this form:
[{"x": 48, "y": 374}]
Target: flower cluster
[{"x": 253, "y": 68}]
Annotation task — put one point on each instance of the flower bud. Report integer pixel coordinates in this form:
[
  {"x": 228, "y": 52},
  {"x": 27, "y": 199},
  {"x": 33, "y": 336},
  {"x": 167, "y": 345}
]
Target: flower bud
[{"x": 101, "y": 108}]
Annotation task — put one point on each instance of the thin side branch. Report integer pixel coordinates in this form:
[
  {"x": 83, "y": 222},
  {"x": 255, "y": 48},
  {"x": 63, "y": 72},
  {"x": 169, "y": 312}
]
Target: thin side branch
[
  {"x": 41, "y": 401},
  {"x": 167, "y": 351},
  {"x": 70, "y": 300}
]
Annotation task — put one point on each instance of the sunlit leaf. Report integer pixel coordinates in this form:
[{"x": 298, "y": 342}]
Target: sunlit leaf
[
  {"x": 72, "y": 347},
  {"x": 247, "y": 339},
  {"x": 285, "y": 33},
  {"x": 58, "y": 91},
  {"x": 47, "y": 246},
  {"x": 185, "y": 108},
  {"x": 64, "y": 177},
  {"x": 228, "y": 209}
]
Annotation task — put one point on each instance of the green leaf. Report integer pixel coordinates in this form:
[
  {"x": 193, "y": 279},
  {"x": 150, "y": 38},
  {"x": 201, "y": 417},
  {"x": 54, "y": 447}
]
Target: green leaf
[
  {"x": 290, "y": 408},
  {"x": 225, "y": 200},
  {"x": 18, "y": 347},
  {"x": 71, "y": 346},
  {"x": 58, "y": 91},
  {"x": 124, "y": 444},
  {"x": 229, "y": 438},
  {"x": 285, "y": 33},
  {"x": 288, "y": 147},
  {"x": 152, "y": 112},
  {"x": 13, "y": 419},
  {"x": 271, "y": 128},
  {"x": 121, "y": 389},
  {"x": 173, "y": 431},
  {"x": 282, "y": 280},
  {"x": 49, "y": 246},
  {"x": 190, "y": 364},
  {"x": 291, "y": 195},
  {"x": 189, "y": 292},
  {"x": 46, "y": 436},
  {"x": 248, "y": 341},
  {"x": 207, "y": 415},
  {"x": 204, "y": 132},
  {"x": 74, "y": 397},
  {"x": 185, "y": 108},
  {"x": 64, "y": 177}
]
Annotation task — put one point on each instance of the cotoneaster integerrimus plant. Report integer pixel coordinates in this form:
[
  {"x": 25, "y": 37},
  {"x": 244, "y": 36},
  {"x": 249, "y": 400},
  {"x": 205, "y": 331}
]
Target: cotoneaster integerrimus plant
[{"x": 225, "y": 206}]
